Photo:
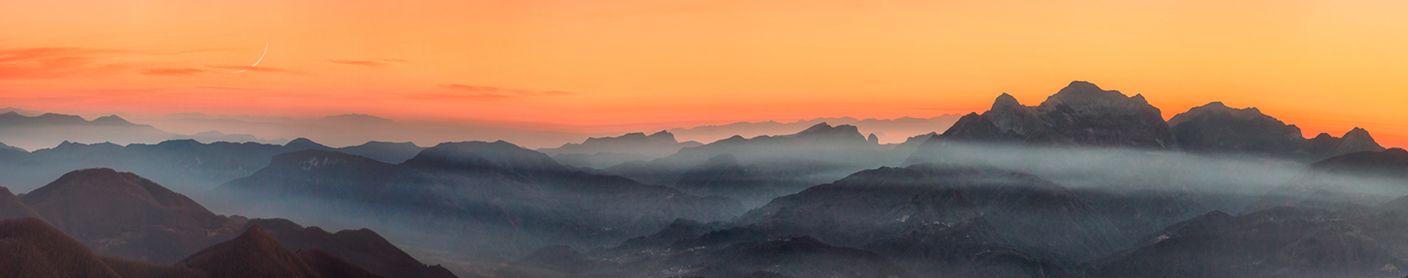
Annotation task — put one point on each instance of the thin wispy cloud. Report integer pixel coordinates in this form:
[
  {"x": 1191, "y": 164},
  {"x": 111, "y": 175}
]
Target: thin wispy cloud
[
  {"x": 262, "y": 69},
  {"x": 504, "y": 91},
  {"x": 364, "y": 63},
  {"x": 172, "y": 71},
  {"x": 54, "y": 62},
  {"x": 464, "y": 91},
  {"x": 453, "y": 96}
]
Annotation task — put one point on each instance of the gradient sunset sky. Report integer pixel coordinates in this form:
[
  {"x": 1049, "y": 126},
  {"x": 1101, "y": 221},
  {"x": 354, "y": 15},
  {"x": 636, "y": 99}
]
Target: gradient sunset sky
[{"x": 1326, "y": 66}]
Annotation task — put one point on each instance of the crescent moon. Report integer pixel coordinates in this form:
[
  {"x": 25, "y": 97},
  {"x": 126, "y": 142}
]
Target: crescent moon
[{"x": 256, "y": 62}]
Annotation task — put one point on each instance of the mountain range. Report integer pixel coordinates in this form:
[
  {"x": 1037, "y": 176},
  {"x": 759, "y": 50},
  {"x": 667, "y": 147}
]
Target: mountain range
[
  {"x": 603, "y": 152},
  {"x": 1089, "y": 183},
  {"x": 1083, "y": 114},
  {"x": 886, "y": 130},
  {"x": 47, "y": 130},
  {"x": 754, "y": 170},
  {"x": 189, "y": 164},
  {"x": 498, "y": 197}
]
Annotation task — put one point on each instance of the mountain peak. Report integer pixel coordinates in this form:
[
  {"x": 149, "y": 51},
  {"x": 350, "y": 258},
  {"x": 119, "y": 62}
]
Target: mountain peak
[
  {"x": 111, "y": 120},
  {"x": 304, "y": 143},
  {"x": 825, "y": 128},
  {"x": 819, "y": 127},
  {"x": 253, "y": 254},
  {"x": 103, "y": 191},
  {"x": 1356, "y": 132},
  {"x": 8, "y": 148},
  {"x": 54, "y": 118},
  {"x": 1080, "y": 87},
  {"x": 1005, "y": 100},
  {"x": 1358, "y": 140},
  {"x": 663, "y": 135},
  {"x": 479, "y": 154},
  {"x": 101, "y": 207},
  {"x": 1086, "y": 93}
]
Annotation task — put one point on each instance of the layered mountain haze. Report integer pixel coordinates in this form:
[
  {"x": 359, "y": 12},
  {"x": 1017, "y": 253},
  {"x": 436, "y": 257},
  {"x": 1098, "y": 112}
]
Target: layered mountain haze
[
  {"x": 353, "y": 129},
  {"x": 1089, "y": 183},
  {"x": 754, "y": 170},
  {"x": 603, "y": 152},
  {"x": 192, "y": 166},
  {"x": 486, "y": 192},
  {"x": 49, "y": 129},
  {"x": 886, "y": 130}
]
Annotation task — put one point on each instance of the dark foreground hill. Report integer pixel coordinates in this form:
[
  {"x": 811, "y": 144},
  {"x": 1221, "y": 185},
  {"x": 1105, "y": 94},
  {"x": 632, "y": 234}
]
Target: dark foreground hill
[
  {"x": 142, "y": 227},
  {"x": 31, "y": 248},
  {"x": 256, "y": 254},
  {"x": 34, "y": 249}
]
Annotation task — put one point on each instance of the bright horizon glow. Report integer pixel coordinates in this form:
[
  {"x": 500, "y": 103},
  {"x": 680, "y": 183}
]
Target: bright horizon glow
[{"x": 615, "y": 66}]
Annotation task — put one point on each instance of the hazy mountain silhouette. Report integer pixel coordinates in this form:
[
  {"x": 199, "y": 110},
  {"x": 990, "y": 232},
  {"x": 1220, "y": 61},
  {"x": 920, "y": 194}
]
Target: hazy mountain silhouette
[
  {"x": 1219, "y": 129},
  {"x": 1085, "y": 115},
  {"x": 47, "y": 130},
  {"x": 1089, "y": 183},
  {"x": 757, "y": 169},
  {"x": 388, "y": 152},
  {"x": 603, "y": 152},
  {"x": 191, "y": 165},
  {"x": 484, "y": 191},
  {"x": 354, "y": 129},
  {"x": 886, "y": 130},
  {"x": 1079, "y": 114}
]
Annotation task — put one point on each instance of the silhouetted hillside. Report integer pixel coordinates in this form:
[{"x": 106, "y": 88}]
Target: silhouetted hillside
[
  {"x": 1217, "y": 129},
  {"x": 11, "y": 207},
  {"x": 1079, "y": 114},
  {"x": 31, "y": 248},
  {"x": 121, "y": 214},
  {"x": 256, "y": 254}
]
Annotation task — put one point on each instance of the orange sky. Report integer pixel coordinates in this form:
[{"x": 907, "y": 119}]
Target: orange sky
[{"x": 1324, "y": 65}]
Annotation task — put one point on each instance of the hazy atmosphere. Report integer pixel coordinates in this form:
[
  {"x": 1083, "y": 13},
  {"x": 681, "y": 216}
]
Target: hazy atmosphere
[{"x": 550, "y": 139}]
